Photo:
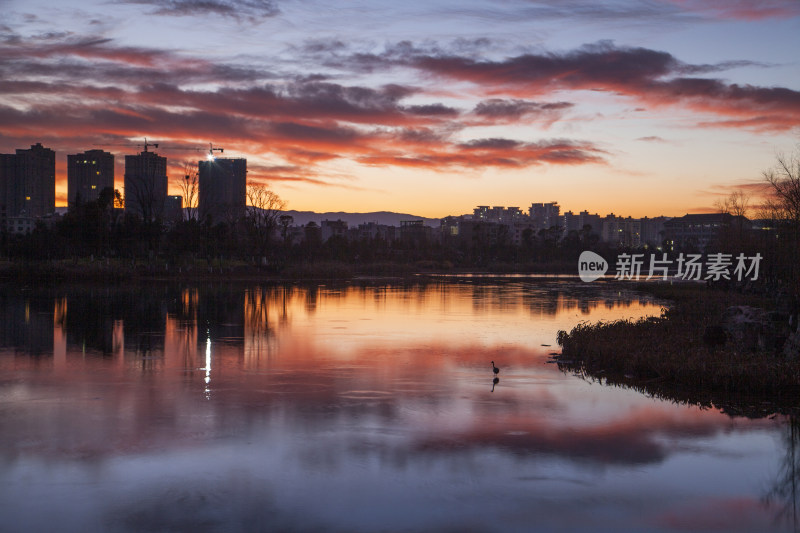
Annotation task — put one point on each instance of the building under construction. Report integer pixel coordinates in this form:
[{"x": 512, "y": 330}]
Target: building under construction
[
  {"x": 28, "y": 182},
  {"x": 222, "y": 189},
  {"x": 88, "y": 173},
  {"x": 145, "y": 185}
]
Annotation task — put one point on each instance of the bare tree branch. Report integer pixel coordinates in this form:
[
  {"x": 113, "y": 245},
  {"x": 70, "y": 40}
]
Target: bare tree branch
[
  {"x": 189, "y": 189},
  {"x": 263, "y": 209}
]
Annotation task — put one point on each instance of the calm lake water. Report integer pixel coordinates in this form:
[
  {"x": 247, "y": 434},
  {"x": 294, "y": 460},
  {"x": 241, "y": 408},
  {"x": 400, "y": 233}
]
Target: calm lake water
[{"x": 354, "y": 408}]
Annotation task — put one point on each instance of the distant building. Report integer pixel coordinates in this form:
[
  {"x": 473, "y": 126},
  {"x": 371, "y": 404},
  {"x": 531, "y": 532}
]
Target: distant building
[
  {"x": 450, "y": 227},
  {"x": 333, "y": 228},
  {"x": 145, "y": 185},
  {"x": 522, "y": 233},
  {"x": 28, "y": 183},
  {"x": 311, "y": 233},
  {"x": 8, "y": 170},
  {"x": 545, "y": 215},
  {"x": 89, "y": 173},
  {"x": 479, "y": 233},
  {"x": 173, "y": 209},
  {"x": 222, "y": 188},
  {"x": 372, "y": 230},
  {"x": 573, "y": 222},
  {"x": 415, "y": 231},
  {"x": 481, "y": 212},
  {"x": 505, "y": 215},
  {"x": 653, "y": 231},
  {"x": 20, "y": 224},
  {"x": 622, "y": 232},
  {"x": 698, "y": 232}
]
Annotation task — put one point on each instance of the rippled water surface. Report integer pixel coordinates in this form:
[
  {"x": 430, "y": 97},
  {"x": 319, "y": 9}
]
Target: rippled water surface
[{"x": 356, "y": 408}]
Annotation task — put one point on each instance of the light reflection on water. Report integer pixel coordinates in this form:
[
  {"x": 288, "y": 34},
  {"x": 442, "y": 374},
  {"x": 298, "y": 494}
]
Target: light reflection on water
[{"x": 354, "y": 408}]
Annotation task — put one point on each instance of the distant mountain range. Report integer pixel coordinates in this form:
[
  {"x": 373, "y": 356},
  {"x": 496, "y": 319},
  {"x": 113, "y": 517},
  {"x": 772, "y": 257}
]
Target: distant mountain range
[{"x": 301, "y": 218}]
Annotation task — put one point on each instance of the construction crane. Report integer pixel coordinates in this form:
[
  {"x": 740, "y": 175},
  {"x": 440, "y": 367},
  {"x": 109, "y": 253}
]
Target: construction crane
[
  {"x": 146, "y": 144},
  {"x": 211, "y": 150}
]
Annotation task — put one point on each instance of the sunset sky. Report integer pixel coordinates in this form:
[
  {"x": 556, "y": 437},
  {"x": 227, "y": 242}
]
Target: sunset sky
[{"x": 656, "y": 107}]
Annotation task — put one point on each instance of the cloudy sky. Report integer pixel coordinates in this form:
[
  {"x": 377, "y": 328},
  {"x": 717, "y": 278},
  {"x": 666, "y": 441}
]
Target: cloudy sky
[{"x": 427, "y": 107}]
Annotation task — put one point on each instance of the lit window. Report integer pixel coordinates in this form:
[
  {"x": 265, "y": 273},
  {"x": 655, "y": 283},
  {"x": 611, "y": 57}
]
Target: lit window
[
  {"x": 94, "y": 187},
  {"x": 27, "y": 197}
]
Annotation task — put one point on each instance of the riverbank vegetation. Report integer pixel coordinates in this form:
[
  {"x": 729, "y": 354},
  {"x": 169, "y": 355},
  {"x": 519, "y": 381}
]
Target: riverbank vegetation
[
  {"x": 99, "y": 240},
  {"x": 721, "y": 340},
  {"x": 697, "y": 350}
]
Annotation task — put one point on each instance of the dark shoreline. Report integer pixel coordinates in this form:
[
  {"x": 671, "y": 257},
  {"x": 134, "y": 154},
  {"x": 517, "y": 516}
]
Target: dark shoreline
[
  {"x": 671, "y": 357},
  {"x": 124, "y": 271}
]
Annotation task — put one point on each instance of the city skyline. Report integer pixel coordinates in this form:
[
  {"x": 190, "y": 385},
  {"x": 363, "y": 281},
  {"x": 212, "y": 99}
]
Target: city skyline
[
  {"x": 642, "y": 109},
  {"x": 222, "y": 182}
]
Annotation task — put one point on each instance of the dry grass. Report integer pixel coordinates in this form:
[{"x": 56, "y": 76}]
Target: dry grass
[{"x": 669, "y": 351}]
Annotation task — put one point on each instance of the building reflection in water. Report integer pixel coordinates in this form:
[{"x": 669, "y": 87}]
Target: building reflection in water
[
  {"x": 298, "y": 387},
  {"x": 26, "y": 325},
  {"x": 177, "y": 327}
]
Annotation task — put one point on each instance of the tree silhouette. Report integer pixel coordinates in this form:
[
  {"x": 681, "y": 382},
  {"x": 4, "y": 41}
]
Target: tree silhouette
[
  {"x": 261, "y": 219},
  {"x": 189, "y": 189},
  {"x": 782, "y": 207}
]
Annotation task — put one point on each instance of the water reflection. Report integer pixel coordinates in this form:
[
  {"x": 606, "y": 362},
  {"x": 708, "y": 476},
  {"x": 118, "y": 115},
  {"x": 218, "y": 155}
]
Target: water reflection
[
  {"x": 785, "y": 491},
  {"x": 352, "y": 408},
  {"x": 26, "y": 324}
]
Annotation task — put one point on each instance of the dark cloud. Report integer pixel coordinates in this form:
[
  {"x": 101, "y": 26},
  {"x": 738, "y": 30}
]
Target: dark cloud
[
  {"x": 328, "y": 135},
  {"x": 491, "y": 144},
  {"x": 239, "y": 9},
  {"x": 498, "y": 110},
  {"x": 99, "y": 60},
  {"x": 79, "y": 86},
  {"x": 649, "y": 76},
  {"x": 718, "y": 67},
  {"x": 420, "y": 136},
  {"x": 317, "y": 46},
  {"x": 431, "y": 109},
  {"x": 593, "y": 65},
  {"x": 739, "y": 9},
  {"x": 484, "y": 153},
  {"x": 662, "y": 11}
]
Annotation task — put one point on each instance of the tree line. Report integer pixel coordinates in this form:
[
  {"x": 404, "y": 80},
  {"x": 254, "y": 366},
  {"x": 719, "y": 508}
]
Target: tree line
[{"x": 261, "y": 236}]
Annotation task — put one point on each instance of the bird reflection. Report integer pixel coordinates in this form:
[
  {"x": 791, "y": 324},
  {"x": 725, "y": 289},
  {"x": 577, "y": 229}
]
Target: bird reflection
[{"x": 495, "y": 381}]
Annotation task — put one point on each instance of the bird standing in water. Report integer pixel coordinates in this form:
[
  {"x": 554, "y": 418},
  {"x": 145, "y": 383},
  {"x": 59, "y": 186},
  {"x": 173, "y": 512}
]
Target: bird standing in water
[{"x": 495, "y": 369}]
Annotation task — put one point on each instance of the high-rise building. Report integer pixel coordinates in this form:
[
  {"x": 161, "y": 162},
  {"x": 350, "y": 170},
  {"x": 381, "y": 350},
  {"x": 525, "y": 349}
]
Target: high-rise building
[
  {"x": 546, "y": 215},
  {"x": 505, "y": 215},
  {"x": 8, "y": 172},
  {"x": 36, "y": 168},
  {"x": 173, "y": 209},
  {"x": 88, "y": 174},
  {"x": 222, "y": 188},
  {"x": 28, "y": 182},
  {"x": 145, "y": 185}
]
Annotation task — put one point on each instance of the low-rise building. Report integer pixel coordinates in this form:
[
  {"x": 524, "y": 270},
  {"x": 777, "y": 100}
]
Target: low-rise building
[{"x": 698, "y": 231}]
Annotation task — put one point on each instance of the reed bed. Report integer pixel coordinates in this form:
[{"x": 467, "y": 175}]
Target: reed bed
[{"x": 670, "y": 350}]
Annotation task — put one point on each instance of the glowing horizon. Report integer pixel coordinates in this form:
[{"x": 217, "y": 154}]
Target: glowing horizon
[{"x": 423, "y": 108}]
